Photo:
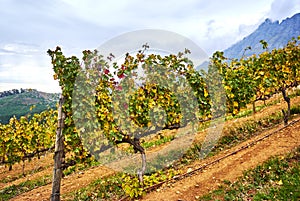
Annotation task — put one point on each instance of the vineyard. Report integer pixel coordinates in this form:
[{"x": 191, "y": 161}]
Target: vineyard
[
  {"x": 103, "y": 100},
  {"x": 28, "y": 137}
]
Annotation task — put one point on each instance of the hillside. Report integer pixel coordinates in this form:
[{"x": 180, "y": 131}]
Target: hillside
[
  {"x": 19, "y": 104},
  {"x": 268, "y": 138},
  {"x": 274, "y": 33}
]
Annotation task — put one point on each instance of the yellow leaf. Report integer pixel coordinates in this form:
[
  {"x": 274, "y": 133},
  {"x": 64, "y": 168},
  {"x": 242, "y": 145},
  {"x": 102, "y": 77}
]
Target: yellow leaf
[
  {"x": 205, "y": 93},
  {"x": 227, "y": 88},
  {"x": 235, "y": 104},
  {"x": 279, "y": 182}
]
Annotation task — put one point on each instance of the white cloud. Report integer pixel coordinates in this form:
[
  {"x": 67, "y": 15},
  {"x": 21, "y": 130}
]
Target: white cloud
[
  {"x": 29, "y": 28},
  {"x": 20, "y": 48},
  {"x": 281, "y": 9}
]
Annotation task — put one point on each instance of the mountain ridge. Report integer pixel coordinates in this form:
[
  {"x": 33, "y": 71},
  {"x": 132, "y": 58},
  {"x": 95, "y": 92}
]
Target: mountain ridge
[{"x": 274, "y": 33}]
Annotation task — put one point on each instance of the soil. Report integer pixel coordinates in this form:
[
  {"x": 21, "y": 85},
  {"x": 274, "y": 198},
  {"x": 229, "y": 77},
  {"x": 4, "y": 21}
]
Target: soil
[
  {"x": 32, "y": 169},
  {"x": 229, "y": 168},
  {"x": 188, "y": 188},
  {"x": 69, "y": 184}
]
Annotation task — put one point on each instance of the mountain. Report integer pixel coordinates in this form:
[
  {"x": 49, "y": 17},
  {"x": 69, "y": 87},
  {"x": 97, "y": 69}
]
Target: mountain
[
  {"x": 18, "y": 102},
  {"x": 274, "y": 33}
]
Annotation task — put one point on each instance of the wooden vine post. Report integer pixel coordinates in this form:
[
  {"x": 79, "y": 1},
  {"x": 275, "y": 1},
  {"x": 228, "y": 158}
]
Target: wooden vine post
[
  {"x": 286, "y": 115},
  {"x": 65, "y": 71},
  {"x": 58, "y": 153}
]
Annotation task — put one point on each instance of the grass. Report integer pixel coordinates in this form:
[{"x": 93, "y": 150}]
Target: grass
[
  {"x": 276, "y": 179},
  {"x": 18, "y": 176},
  {"x": 238, "y": 134},
  {"x": 162, "y": 140},
  {"x": 234, "y": 137},
  {"x": 248, "y": 112},
  {"x": 109, "y": 188},
  {"x": 14, "y": 190}
]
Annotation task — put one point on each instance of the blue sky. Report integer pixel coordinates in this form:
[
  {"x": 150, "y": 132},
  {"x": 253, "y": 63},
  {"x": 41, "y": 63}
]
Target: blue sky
[{"x": 29, "y": 28}]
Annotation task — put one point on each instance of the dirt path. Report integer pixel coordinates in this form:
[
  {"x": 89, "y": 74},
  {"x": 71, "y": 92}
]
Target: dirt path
[
  {"x": 46, "y": 172},
  {"x": 230, "y": 168},
  {"x": 69, "y": 183},
  {"x": 33, "y": 169},
  {"x": 198, "y": 184},
  {"x": 188, "y": 188}
]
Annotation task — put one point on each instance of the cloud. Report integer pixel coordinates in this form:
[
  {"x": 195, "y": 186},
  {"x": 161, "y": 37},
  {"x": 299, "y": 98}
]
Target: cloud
[
  {"x": 29, "y": 28},
  {"x": 26, "y": 66},
  {"x": 35, "y": 72},
  {"x": 132, "y": 12},
  {"x": 6, "y": 52},
  {"x": 19, "y": 48},
  {"x": 281, "y": 9}
]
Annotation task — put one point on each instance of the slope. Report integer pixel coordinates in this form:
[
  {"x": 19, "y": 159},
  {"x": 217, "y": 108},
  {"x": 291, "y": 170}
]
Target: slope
[
  {"x": 281, "y": 141},
  {"x": 19, "y": 104},
  {"x": 274, "y": 33}
]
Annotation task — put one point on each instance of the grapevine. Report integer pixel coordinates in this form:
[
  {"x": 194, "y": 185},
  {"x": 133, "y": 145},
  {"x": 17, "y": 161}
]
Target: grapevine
[
  {"x": 245, "y": 81},
  {"x": 29, "y": 136}
]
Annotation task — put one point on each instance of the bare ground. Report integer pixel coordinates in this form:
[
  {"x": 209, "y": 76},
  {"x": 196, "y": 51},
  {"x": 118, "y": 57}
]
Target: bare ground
[
  {"x": 229, "y": 168},
  {"x": 186, "y": 189}
]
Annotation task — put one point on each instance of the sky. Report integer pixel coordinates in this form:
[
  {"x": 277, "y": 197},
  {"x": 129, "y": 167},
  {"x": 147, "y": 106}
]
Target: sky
[{"x": 29, "y": 28}]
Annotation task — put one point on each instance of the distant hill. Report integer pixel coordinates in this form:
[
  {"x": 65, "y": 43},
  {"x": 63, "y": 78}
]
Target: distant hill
[
  {"x": 203, "y": 66},
  {"x": 274, "y": 33},
  {"x": 18, "y": 102}
]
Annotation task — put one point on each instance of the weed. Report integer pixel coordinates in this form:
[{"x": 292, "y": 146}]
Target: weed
[
  {"x": 14, "y": 190},
  {"x": 276, "y": 179}
]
